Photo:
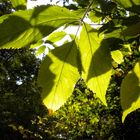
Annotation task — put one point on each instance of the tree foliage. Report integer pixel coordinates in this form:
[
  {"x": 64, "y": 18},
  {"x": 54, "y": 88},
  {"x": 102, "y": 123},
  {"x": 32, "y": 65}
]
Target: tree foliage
[
  {"x": 20, "y": 97},
  {"x": 88, "y": 55}
]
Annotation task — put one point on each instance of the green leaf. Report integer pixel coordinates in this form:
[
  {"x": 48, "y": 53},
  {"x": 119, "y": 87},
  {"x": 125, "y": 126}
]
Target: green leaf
[
  {"x": 40, "y": 50},
  {"x": 2, "y": 18},
  {"x": 117, "y": 56},
  {"x": 37, "y": 44},
  {"x": 22, "y": 28},
  {"x": 130, "y": 91},
  {"x": 95, "y": 16},
  {"x": 56, "y": 36},
  {"x": 58, "y": 75},
  {"x": 131, "y": 5},
  {"x": 19, "y": 4},
  {"x": 127, "y": 49},
  {"x": 96, "y": 61},
  {"x": 132, "y": 30}
]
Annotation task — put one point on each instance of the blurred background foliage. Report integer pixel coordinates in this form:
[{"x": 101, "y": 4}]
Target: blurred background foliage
[{"x": 23, "y": 116}]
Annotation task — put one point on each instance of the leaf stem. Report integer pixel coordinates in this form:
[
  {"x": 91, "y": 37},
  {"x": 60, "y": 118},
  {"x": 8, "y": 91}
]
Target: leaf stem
[{"x": 87, "y": 10}]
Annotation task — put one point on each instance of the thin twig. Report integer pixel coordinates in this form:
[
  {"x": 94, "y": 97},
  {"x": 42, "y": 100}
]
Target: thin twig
[{"x": 87, "y": 10}]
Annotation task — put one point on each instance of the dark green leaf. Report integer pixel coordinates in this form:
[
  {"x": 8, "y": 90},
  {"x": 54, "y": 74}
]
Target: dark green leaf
[
  {"x": 132, "y": 30},
  {"x": 131, "y": 5}
]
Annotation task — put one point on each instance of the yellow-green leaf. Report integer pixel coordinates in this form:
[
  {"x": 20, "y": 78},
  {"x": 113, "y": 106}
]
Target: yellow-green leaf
[
  {"x": 96, "y": 61},
  {"x": 56, "y": 36},
  {"x": 40, "y": 50},
  {"x": 130, "y": 91},
  {"x": 39, "y": 43},
  {"x": 58, "y": 75},
  {"x": 117, "y": 56},
  {"x": 22, "y": 28},
  {"x": 95, "y": 16}
]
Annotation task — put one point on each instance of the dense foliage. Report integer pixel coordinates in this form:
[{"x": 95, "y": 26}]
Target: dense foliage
[{"x": 19, "y": 96}]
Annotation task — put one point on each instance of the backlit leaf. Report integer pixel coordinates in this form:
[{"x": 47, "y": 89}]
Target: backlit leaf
[
  {"x": 117, "y": 56},
  {"x": 96, "y": 61},
  {"x": 58, "y": 75},
  {"x": 130, "y": 91},
  {"x": 56, "y": 36},
  {"x": 40, "y": 50},
  {"x": 25, "y": 27}
]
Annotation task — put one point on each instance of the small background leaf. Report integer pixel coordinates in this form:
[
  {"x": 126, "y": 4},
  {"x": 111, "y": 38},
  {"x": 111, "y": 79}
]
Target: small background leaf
[
  {"x": 40, "y": 50},
  {"x": 117, "y": 56}
]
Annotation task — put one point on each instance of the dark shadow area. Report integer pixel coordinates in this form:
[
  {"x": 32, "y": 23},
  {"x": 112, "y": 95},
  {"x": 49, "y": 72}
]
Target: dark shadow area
[
  {"x": 20, "y": 7},
  {"x": 108, "y": 28},
  {"x": 131, "y": 127},
  {"x": 45, "y": 29},
  {"x": 128, "y": 21},
  {"x": 134, "y": 5},
  {"x": 135, "y": 8},
  {"x": 68, "y": 53},
  {"x": 38, "y": 10},
  {"x": 112, "y": 43},
  {"x": 46, "y": 77},
  {"x": 132, "y": 31},
  {"x": 14, "y": 26},
  {"x": 101, "y": 61}
]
